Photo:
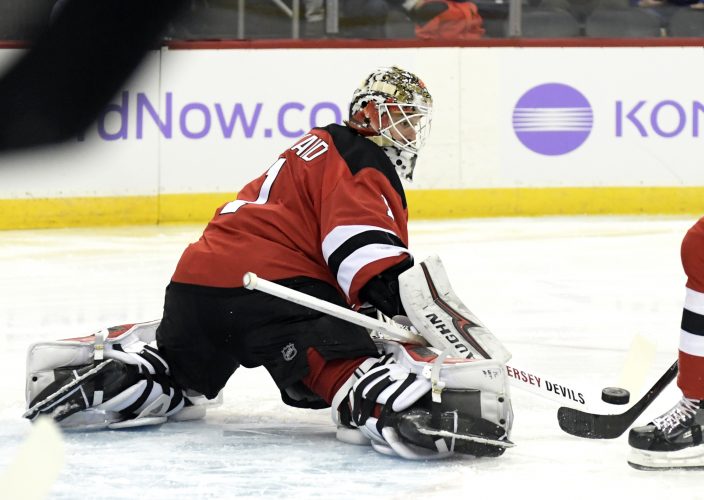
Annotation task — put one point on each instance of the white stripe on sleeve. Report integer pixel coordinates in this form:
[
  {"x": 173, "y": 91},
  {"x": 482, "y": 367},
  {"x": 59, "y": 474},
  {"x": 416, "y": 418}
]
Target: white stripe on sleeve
[
  {"x": 360, "y": 258},
  {"x": 691, "y": 344},
  {"x": 694, "y": 301},
  {"x": 341, "y": 234}
]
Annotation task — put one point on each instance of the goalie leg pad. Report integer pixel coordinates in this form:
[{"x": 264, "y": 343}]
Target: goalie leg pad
[
  {"x": 77, "y": 388},
  {"x": 106, "y": 380},
  {"x": 44, "y": 357},
  {"x": 453, "y": 430},
  {"x": 413, "y": 403}
]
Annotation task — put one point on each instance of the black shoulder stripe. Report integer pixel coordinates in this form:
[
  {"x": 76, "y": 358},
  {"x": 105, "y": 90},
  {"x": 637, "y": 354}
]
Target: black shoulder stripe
[
  {"x": 692, "y": 322},
  {"x": 358, "y": 241},
  {"x": 360, "y": 153}
]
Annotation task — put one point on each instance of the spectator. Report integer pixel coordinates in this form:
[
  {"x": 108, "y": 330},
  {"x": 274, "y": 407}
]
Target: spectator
[
  {"x": 314, "y": 15},
  {"x": 450, "y": 19},
  {"x": 694, "y": 4}
]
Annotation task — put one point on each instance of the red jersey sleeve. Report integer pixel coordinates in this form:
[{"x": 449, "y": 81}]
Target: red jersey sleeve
[
  {"x": 363, "y": 226},
  {"x": 693, "y": 256}
]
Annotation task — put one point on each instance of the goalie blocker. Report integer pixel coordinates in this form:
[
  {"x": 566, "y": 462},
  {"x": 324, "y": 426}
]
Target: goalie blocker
[{"x": 113, "y": 379}]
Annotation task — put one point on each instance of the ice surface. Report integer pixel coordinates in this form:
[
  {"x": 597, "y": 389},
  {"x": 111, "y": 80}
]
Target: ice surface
[{"x": 566, "y": 295}]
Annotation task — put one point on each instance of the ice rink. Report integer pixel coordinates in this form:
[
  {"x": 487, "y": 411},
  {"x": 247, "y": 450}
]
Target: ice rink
[{"x": 567, "y": 295}]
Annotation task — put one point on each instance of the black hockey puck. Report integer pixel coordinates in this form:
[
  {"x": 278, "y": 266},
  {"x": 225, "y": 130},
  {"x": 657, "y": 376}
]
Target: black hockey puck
[{"x": 615, "y": 395}]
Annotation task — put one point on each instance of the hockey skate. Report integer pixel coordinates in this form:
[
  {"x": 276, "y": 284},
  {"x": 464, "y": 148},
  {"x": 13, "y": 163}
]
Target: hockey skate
[{"x": 671, "y": 441}]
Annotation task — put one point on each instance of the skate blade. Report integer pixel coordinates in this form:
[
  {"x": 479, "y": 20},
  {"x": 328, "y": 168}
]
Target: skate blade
[
  {"x": 673, "y": 467},
  {"x": 691, "y": 458}
]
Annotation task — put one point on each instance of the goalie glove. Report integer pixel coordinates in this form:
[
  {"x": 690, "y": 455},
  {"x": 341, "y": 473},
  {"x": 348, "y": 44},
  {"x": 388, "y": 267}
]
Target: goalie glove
[
  {"x": 416, "y": 404},
  {"x": 382, "y": 291}
]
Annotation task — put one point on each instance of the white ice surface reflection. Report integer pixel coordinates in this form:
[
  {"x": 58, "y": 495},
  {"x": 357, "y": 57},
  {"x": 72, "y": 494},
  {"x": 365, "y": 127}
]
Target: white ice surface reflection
[{"x": 566, "y": 295}]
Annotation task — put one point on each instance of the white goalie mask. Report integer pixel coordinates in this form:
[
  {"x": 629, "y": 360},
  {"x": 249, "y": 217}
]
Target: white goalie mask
[{"x": 394, "y": 107}]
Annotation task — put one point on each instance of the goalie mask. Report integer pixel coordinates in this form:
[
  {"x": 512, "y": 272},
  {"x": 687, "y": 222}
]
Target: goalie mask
[{"x": 393, "y": 107}]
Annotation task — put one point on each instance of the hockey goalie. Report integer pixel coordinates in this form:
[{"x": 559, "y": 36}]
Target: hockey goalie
[
  {"x": 445, "y": 393},
  {"x": 327, "y": 219}
]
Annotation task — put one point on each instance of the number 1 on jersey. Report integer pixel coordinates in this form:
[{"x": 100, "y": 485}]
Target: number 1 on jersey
[{"x": 263, "y": 197}]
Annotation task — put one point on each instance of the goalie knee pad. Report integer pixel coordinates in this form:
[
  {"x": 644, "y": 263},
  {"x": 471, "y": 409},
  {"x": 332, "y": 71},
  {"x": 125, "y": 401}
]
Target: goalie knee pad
[
  {"x": 416, "y": 403},
  {"x": 112, "y": 379}
]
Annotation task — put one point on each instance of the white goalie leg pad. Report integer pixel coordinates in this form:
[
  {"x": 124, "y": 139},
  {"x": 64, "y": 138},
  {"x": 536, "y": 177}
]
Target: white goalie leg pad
[
  {"x": 44, "y": 357},
  {"x": 441, "y": 318},
  {"x": 147, "y": 402},
  {"x": 197, "y": 408},
  {"x": 447, "y": 373},
  {"x": 346, "y": 432},
  {"x": 399, "y": 379},
  {"x": 409, "y": 451}
]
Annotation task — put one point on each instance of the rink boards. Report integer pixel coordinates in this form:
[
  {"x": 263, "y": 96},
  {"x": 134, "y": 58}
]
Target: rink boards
[{"x": 516, "y": 131}]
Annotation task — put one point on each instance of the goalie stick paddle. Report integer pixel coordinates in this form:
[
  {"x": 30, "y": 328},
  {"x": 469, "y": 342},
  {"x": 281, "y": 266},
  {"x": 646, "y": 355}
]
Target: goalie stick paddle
[{"x": 593, "y": 426}]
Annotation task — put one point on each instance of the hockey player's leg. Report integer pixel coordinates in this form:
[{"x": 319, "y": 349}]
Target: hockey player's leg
[
  {"x": 413, "y": 403},
  {"x": 674, "y": 440}
]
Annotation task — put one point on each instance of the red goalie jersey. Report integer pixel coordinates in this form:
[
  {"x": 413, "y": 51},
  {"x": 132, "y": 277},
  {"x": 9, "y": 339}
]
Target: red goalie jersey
[{"x": 331, "y": 208}]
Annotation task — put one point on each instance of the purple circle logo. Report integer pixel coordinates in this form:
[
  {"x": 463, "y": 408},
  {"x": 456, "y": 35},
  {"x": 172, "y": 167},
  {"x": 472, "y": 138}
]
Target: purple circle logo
[{"x": 552, "y": 119}]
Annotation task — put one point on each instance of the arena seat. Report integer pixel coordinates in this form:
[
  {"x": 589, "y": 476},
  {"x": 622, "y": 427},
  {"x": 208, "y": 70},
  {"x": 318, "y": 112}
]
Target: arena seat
[
  {"x": 542, "y": 22},
  {"x": 622, "y": 23},
  {"x": 686, "y": 23}
]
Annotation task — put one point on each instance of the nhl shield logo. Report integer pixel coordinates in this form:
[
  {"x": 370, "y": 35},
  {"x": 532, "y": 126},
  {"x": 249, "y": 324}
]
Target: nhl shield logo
[{"x": 289, "y": 351}]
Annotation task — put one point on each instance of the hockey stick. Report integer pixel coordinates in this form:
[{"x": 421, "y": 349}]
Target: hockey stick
[
  {"x": 38, "y": 463},
  {"x": 392, "y": 332},
  {"x": 527, "y": 380},
  {"x": 594, "y": 426}
]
